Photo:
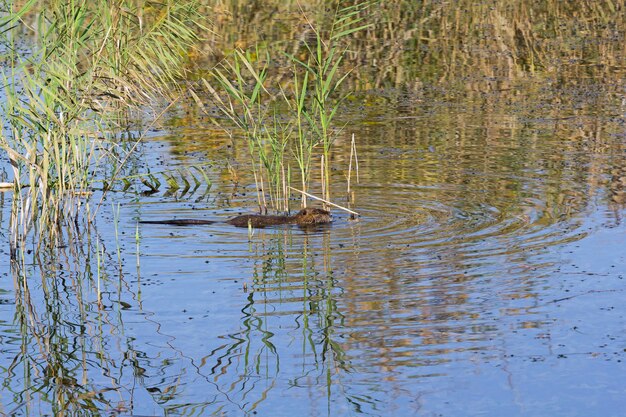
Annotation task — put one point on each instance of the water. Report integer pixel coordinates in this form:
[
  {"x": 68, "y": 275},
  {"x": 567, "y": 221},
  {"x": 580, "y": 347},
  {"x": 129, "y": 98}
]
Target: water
[{"x": 484, "y": 277}]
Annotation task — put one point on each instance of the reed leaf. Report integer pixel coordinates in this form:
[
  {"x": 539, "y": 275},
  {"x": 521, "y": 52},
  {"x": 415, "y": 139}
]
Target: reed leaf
[{"x": 88, "y": 56}]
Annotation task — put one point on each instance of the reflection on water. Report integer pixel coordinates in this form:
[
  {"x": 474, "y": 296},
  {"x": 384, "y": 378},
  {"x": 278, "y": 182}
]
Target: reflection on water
[
  {"x": 484, "y": 276},
  {"x": 474, "y": 260}
]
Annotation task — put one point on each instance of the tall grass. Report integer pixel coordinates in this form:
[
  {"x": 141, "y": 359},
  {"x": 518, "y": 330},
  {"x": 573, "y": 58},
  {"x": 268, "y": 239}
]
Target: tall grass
[
  {"x": 73, "y": 71},
  {"x": 322, "y": 65},
  {"x": 414, "y": 43},
  {"x": 88, "y": 63},
  {"x": 291, "y": 123}
]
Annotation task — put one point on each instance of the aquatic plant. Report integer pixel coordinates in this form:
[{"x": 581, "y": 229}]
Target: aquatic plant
[
  {"x": 410, "y": 43},
  {"x": 70, "y": 85},
  {"x": 74, "y": 72},
  {"x": 292, "y": 122},
  {"x": 322, "y": 65}
]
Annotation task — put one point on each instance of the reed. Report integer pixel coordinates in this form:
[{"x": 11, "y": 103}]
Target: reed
[
  {"x": 137, "y": 249},
  {"x": 413, "y": 43},
  {"x": 303, "y": 149},
  {"x": 242, "y": 103},
  {"x": 252, "y": 109},
  {"x": 322, "y": 65},
  {"x": 353, "y": 156},
  {"x": 294, "y": 125},
  {"x": 88, "y": 63}
]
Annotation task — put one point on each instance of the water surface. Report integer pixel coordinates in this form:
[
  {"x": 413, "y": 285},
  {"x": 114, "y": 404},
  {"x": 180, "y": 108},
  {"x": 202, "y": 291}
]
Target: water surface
[{"x": 485, "y": 275}]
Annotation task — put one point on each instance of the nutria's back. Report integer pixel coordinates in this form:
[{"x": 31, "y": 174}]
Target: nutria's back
[{"x": 305, "y": 217}]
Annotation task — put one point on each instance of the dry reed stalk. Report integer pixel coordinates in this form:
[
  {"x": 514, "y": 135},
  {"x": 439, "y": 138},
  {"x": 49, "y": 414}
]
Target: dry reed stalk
[
  {"x": 258, "y": 195},
  {"x": 261, "y": 191},
  {"x": 356, "y": 161},
  {"x": 325, "y": 201}
]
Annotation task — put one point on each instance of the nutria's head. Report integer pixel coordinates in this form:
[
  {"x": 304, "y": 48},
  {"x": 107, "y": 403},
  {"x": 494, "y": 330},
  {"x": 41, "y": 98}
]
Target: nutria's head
[{"x": 313, "y": 216}]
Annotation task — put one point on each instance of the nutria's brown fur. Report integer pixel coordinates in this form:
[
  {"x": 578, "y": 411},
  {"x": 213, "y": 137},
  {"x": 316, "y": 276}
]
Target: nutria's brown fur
[{"x": 305, "y": 217}]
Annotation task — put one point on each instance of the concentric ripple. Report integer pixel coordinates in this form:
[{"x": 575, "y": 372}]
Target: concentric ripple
[{"x": 456, "y": 216}]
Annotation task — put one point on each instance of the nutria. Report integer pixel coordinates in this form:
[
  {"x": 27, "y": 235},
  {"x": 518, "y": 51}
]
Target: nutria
[{"x": 305, "y": 217}]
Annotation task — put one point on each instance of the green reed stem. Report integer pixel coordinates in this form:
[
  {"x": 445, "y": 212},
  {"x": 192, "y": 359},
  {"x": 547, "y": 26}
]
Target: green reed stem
[
  {"x": 88, "y": 60},
  {"x": 307, "y": 107}
]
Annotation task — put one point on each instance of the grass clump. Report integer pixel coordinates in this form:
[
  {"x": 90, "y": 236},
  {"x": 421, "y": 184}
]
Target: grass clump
[
  {"x": 70, "y": 85},
  {"x": 292, "y": 122}
]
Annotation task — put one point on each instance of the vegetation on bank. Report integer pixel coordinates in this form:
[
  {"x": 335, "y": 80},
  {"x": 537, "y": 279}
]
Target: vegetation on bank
[
  {"x": 409, "y": 43},
  {"x": 76, "y": 72},
  {"x": 73, "y": 74}
]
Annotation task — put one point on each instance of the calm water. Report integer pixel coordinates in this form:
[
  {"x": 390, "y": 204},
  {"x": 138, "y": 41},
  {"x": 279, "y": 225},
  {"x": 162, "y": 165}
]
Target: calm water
[{"x": 485, "y": 276}]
